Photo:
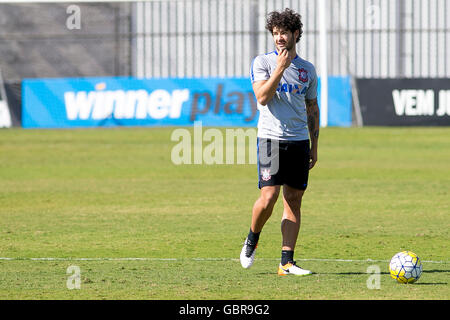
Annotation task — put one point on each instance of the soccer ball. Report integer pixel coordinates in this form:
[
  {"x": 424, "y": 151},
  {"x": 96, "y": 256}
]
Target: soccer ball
[{"x": 405, "y": 267}]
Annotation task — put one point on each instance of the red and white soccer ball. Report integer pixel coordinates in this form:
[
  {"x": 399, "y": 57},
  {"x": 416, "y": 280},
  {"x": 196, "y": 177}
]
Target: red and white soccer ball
[{"x": 405, "y": 267}]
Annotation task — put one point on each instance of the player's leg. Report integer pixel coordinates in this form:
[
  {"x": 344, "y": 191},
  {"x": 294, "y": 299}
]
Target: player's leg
[
  {"x": 290, "y": 226},
  {"x": 269, "y": 177},
  {"x": 290, "y": 222},
  {"x": 263, "y": 207},
  {"x": 262, "y": 210}
]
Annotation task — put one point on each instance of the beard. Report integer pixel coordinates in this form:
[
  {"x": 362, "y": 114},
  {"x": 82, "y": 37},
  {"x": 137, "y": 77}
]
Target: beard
[{"x": 288, "y": 45}]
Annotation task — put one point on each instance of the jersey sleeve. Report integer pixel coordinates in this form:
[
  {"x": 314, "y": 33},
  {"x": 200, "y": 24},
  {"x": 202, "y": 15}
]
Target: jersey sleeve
[
  {"x": 311, "y": 92},
  {"x": 259, "y": 70}
]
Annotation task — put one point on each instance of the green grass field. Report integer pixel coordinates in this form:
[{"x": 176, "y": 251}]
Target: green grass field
[{"x": 113, "y": 194}]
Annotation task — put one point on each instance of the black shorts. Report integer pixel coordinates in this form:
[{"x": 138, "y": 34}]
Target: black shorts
[{"x": 283, "y": 162}]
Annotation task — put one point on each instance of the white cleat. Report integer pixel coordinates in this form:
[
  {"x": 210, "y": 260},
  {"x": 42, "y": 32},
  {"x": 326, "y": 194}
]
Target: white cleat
[
  {"x": 292, "y": 268},
  {"x": 248, "y": 254}
]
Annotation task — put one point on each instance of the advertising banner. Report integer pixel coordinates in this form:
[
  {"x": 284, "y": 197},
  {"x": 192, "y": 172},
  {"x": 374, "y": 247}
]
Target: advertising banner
[
  {"x": 404, "y": 102},
  {"x": 92, "y": 102}
]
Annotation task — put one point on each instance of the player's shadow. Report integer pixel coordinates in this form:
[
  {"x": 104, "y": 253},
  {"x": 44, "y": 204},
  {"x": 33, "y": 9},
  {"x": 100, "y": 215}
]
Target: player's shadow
[
  {"x": 350, "y": 273},
  {"x": 335, "y": 273},
  {"x": 432, "y": 283},
  {"x": 360, "y": 273},
  {"x": 384, "y": 273},
  {"x": 387, "y": 273},
  {"x": 436, "y": 271}
]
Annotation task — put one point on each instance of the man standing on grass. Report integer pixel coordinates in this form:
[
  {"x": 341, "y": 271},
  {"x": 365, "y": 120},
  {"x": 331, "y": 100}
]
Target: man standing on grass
[{"x": 285, "y": 87}]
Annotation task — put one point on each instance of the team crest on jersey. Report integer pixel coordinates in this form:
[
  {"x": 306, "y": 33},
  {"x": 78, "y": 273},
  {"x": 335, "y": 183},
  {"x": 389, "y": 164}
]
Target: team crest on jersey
[
  {"x": 303, "y": 75},
  {"x": 265, "y": 173}
]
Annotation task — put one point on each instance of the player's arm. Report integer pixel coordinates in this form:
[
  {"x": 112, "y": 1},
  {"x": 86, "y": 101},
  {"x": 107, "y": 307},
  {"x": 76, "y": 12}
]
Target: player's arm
[
  {"x": 313, "y": 113},
  {"x": 266, "y": 89}
]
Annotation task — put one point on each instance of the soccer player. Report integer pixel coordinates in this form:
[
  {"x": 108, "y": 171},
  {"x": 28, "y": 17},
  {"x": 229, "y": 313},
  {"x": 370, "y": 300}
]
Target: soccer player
[{"x": 285, "y": 87}]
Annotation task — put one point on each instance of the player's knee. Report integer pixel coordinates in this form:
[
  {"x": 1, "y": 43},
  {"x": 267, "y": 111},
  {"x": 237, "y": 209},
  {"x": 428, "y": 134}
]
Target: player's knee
[
  {"x": 269, "y": 199},
  {"x": 293, "y": 198}
]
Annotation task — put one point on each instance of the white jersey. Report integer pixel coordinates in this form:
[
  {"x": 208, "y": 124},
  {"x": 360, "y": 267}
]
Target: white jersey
[{"x": 284, "y": 117}]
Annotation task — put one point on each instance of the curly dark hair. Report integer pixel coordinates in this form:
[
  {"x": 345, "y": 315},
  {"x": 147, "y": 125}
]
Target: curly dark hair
[{"x": 287, "y": 19}]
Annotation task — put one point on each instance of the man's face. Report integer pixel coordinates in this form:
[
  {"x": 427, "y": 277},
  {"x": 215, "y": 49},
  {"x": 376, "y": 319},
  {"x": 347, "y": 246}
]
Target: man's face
[{"x": 283, "y": 38}]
